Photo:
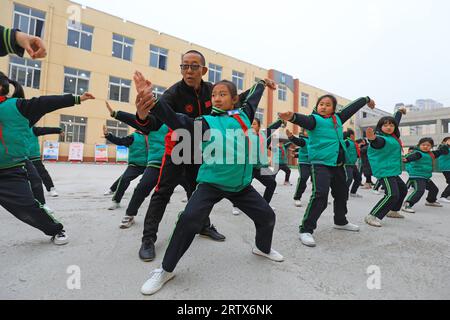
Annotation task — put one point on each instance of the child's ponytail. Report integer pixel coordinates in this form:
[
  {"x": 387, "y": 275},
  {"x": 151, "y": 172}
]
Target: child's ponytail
[{"x": 4, "y": 87}]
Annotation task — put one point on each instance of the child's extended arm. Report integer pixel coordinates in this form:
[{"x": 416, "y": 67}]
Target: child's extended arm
[
  {"x": 441, "y": 151},
  {"x": 124, "y": 141},
  {"x": 306, "y": 122},
  {"x": 42, "y": 131},
  {"x": 352, "y": 108},
  {"x": 412, "y": 157},
  {"x": 251, "y": 101},
  {"x": 35, "y": 108}
]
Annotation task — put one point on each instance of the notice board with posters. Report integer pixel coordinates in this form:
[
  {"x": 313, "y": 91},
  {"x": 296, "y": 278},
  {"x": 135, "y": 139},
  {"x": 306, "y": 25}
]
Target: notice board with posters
[{"x": 76, "y": 151}]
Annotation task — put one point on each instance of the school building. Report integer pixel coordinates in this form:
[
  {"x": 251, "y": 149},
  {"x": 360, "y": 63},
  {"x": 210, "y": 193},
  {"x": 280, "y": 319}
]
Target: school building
[{"x": 89, "y": 50}]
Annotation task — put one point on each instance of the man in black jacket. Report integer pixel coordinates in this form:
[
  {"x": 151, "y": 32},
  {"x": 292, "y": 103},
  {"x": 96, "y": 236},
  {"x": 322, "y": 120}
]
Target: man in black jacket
[{"x": 190, "y": 96}]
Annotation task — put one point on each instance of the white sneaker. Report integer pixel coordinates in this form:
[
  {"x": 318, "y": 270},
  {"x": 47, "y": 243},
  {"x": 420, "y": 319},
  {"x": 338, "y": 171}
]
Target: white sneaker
[
  {"x": 108, "y": 193},
  {"x": 114, "y": 206},
  {"x": 307, "y": 239},
  {"x": 236, "y": 211},
  {"x": 287, "y": 184},
  {"x": 46, "y": 208},
  {"x": 157, "y": 280},
  {"x": 444, "y": 200},
  {"x": 60, "y": 239},
  {"x": 408, "y": 209},
  {"x": 185, "y": 200},
  {"x": 348, "y": 227},
  {"x": 355, "y": 195},
  {"x": 376, "y": 191},
  {"x": 273, "y": 255},
  {"x": 127, "y": 222},
  {"x": 433, "y": 204},
  {"x": 395, "y": 215},
  {"x": 298, "y": 203},
  {"x": 53, "y": 193},
  {"x": 373, "y": 221}
]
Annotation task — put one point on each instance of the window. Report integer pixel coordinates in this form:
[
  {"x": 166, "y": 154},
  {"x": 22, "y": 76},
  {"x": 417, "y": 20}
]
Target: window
[
  {"x": 405, "y": 131},
  {"x": 79, "y": 35},
  {"x": 282, "y": 92},
  {"x": 305, "y": 100},
  {"x": 215, "y": 73},
  {"x": 238, "y": 80},
  {"x": 158, "y": 91},
  {"x": 259, "y": 114},
  {"x": 119, "y": 89},
  {"x": 27, "y": 72},
  {"x": 364, "y": 115},
  {"x": 427, "y": 129},
  {"x": 117, "y": 128},
  {"x": 29, "y": 20},
  {"x": 76, "y": 81},
  {"x": 74, "y": 128},
  {"x": 158, "y": 57},
  {"x": 122, "y": 47}
]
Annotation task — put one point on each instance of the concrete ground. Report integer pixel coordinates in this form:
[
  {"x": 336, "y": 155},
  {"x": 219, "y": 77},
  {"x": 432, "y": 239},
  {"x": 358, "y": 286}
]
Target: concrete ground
[{"x": 411, "y": 256}]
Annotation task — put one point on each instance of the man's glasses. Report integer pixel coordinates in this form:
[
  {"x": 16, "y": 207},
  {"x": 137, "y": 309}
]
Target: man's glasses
[{"x": 194, "y": 67}]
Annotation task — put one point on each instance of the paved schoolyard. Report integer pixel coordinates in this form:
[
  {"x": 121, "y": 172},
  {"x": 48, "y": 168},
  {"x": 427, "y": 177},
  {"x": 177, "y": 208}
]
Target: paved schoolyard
[{"x": 412, "y": 256}]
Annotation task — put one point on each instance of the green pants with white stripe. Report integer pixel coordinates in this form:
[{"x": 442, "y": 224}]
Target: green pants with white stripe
[{"x": 395, "y": 192}]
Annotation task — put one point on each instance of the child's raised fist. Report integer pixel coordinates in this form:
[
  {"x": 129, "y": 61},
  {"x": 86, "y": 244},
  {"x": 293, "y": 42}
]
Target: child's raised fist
[{"x": 370, "y": 133}]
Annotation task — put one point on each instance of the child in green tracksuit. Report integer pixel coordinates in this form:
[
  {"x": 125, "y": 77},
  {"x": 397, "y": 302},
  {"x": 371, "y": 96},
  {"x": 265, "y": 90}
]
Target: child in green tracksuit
[
  {"x": 351, "y": 169},
  {"x": 444, "y": 166},
  {"x": 281, "y": 161},
  {"x": 36, "y": 172},
  {"x": 327, "y": 156},
  {"x": 385, "y": 157},
  {"x": 17, "y": 116},
  {"x": 304, "y": 165},
  {"x": 420, "y": 171},
  {"x": 226, "y": 132},
  {"x": 260, "y": 142},
  {"x": 35, "y": 156},
  {"x": 137, "y": 144},
  {"x": 150, "y": 176}
]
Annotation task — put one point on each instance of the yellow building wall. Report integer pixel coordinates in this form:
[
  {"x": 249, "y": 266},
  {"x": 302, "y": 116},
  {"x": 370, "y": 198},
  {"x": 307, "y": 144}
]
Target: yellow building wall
[{"x": 100, "y": 63}]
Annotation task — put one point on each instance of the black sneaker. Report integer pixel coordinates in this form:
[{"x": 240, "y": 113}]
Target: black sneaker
[
  {"x": 147, "y": 251},
  {"x": 211, "y": 232}
]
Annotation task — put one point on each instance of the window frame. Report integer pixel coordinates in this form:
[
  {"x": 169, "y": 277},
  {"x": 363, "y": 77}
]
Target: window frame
[
  {"x": 282, "y": 90},
  {"x": 215, "y": 69},
  {"x": 120, "y": 85},
  {"x": 159, "y": 53},
  {"x": 77, "y": 77},
  {"x": 304, "y": 100},
  {"x": 238, "y": 79},
  {"x": 123, "y": 42},
  {"x": 27, "y": 69},
  {"x": 30, "y": 15},
  {"x": 64, "y": 124},
  {"x": 78, "y": 27}
]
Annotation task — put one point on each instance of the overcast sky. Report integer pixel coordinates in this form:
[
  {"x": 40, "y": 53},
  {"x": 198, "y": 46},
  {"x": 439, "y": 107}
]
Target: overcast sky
[{"x": 393, "y": 50}]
